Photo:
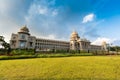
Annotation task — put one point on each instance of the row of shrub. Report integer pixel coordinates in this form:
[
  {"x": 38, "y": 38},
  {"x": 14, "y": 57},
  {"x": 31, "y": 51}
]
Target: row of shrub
[
  {"x": 17, "y": 52},
  {"x": 104, "y": 53},
  {"x": 43, "y": 55},
  {"x": 22, "y": 52},
  {"x": 3, "y": 51},
  {"x": 32, "y": 51}
]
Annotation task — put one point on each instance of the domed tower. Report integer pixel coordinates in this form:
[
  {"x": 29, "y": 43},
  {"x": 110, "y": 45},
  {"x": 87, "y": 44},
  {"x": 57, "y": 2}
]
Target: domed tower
[
  {"x": 104, "y": 46},
  {"x": 74, "y": 44},
  {"x": 23, "y": 36}
]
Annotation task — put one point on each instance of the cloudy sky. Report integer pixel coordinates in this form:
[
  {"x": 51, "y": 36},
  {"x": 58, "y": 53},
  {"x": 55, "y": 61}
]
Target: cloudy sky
[{"x": 96, "y": 20}]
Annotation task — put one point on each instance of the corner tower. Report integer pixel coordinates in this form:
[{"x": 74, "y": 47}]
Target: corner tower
[
  {"x": 22, "y": 39},
  {"x": 23, "y": 36}
]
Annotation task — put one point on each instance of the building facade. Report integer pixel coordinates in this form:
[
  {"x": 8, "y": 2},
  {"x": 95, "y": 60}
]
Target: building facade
[{"x": 23, "y": 39}]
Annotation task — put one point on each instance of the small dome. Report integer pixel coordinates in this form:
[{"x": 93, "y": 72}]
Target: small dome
[
  {"x": 24, "y": 29},
  {"x": 74, "y": 33},
  {"x": 74, "y": 36},
  {"x": 104, "y": 43}
]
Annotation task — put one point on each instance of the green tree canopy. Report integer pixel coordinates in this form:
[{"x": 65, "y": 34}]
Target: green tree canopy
[{"x": 5, "y": 45}]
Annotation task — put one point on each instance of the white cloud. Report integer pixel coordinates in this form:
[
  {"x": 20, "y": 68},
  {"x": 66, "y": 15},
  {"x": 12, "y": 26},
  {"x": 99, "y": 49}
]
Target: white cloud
[
  {"x": 11, "y": 17},
  {"x": 99, "y": 41},
  {"x": 41, "y": 16},
  {"x": 51, "y": 36},
  {"x": 5, "y": 5},
  {"x": 37, "y": 14},
  {"x": 8, "y": 6},
  {"x": 41, "y": 9},
  {"x": 88, "y": 18},
  {"x": 55, "y": 12},
  {"x": 7, "y": 23},
  {"x": 44, "y": 21}
]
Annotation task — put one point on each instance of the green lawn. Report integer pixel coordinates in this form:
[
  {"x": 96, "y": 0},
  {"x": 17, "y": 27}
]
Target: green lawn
[{"x": 64, "y": 68}]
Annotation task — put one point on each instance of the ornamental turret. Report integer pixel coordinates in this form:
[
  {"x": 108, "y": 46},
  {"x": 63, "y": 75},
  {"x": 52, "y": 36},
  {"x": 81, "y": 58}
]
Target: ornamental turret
[
  {"x": 104, "y": 46},
  {"x": 24, "y": 29},
  {"x": 74, "y": 41}
]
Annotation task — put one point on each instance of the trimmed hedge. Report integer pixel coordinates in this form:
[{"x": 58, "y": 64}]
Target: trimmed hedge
[
  {"x": 17, "y": 57},
  {"x": 43, "y": 56},
  {"x": 3, "y": 51},
  {"x": 22, "y": 52}
]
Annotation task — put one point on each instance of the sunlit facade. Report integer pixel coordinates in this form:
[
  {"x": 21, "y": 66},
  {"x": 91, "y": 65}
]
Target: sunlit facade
[{"x": 23, "y": 40}]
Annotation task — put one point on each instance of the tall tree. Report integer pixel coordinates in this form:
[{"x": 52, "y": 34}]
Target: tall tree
[{"x": 5, "y": 45}]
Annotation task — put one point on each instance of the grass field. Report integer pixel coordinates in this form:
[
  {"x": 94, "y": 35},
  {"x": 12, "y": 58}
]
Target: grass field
[{"x": 64, "y": 68}]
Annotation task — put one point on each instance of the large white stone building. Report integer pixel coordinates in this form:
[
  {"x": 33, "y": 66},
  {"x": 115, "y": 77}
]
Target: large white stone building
[{"x": 23, "y": 39}]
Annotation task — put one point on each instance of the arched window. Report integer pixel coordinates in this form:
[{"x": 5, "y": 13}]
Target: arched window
[
  {"x": 23, "y": 36},
  {"x": 22, "y": 44}
]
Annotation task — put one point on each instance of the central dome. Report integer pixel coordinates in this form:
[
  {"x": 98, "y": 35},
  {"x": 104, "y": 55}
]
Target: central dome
[
  {"x": 24, "y": 29},
  {"x": 74, "y": 33},
  {"x": 104, "y": 43},
  {"x": 74, "y": 36}
]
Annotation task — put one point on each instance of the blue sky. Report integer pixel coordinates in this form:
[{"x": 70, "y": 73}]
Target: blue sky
[{"x": 96, "y": 20}]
